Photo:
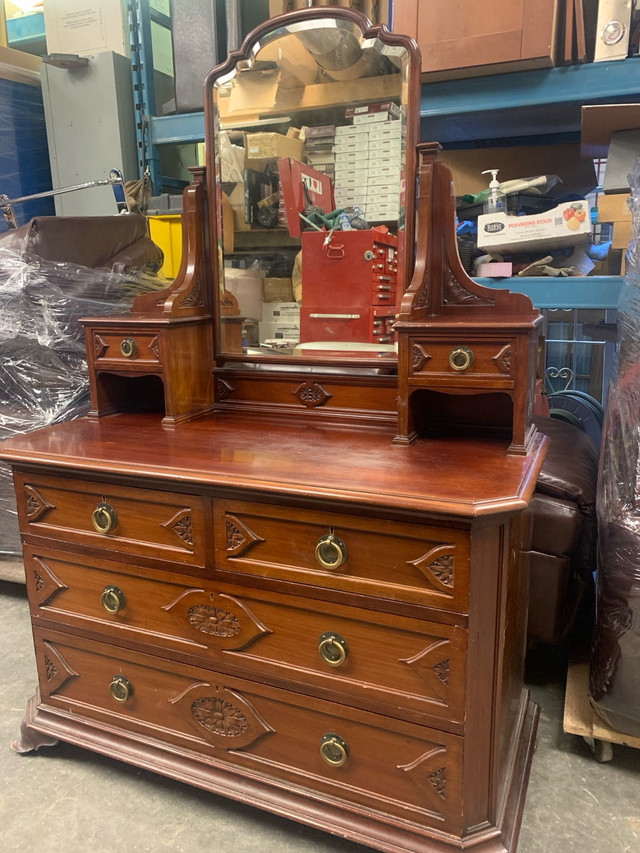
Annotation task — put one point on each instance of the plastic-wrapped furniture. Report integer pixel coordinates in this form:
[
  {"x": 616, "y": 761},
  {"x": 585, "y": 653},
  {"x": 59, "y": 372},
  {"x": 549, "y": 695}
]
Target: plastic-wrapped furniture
[
  {"x": 562, "y": 526},
  {"x": 117, "y": 243},
  {"x": 615, "y": 663},
  {"x": 54, "y": 270}
]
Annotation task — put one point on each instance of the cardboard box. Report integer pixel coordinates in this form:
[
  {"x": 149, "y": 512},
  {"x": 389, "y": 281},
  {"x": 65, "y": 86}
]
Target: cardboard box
[
  {"x": 280, "y": 321},
  {"x": 615, "y": 208},
  {"x": 85, "y": 27},
  {"x": 576, "y": 171},
  {"x": 281, "y": 312},
  {"x": 624, "y": 149},
  {"x": 260, "y": 147},
  {"x": 600, "y": 121},
  {"x": 277, "y": 290},
  {"x": 564, "y": 225}
]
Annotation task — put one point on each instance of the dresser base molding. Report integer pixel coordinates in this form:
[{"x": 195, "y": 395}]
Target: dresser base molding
[{"x": 45, "y": 726}]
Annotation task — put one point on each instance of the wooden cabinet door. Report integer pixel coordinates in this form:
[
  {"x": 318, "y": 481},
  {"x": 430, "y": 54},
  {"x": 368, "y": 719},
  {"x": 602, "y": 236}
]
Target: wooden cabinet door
[{"x": 457, "y": 35}]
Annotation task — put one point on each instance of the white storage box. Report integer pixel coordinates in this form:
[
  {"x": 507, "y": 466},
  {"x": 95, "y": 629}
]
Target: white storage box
[{"x": 567, "y": 224}]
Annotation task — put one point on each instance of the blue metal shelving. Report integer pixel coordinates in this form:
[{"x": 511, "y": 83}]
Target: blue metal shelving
[{"x": 598, "y": 291}]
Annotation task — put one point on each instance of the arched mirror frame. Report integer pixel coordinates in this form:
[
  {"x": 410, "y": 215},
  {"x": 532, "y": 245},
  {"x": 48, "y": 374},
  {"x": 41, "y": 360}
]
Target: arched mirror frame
[{"x": 369, "y": 31}]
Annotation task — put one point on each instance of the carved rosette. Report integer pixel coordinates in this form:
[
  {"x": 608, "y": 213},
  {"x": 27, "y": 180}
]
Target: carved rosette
[
  {"x": 220, "y": 621},
  {"x": 438, "y": 567},
  {"x": 100, "y": 346},
  {"x": 431, "y": 665},
  {"x": 239, "y": 537},
  {"x": 180, "y": 524},
  {"x": 213, "y": 620},
  {"x": 223, "y": 717},
  {"x": 312, "y": 394},
  {"x": 46, "y": 583},
  {"x": 224, "y": 389},
  {"x": 502, "y": 359},
  {"x": 419, "y": 357},
  {"x": 154, "y": 346},
  {"x": 429, "y": 774},
  {"x": 219, "y": 716},
  {"x": 36, "y": 505}
]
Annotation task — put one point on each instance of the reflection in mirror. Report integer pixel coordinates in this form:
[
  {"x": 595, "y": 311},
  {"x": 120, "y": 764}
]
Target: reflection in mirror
[{"x": 312, "y": 167}]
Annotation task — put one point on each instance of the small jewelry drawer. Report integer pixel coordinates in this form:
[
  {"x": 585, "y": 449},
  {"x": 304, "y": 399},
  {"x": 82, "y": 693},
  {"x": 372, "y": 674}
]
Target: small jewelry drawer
[
  {"x": 477, "y": 360},
  {"x": 326, "y": 748},
  {"x": 126, "y": 350},
  {"x": 134, "y": 521},
  {"x": 409, "y": 562},
  {"x": 406, "y": 663}
]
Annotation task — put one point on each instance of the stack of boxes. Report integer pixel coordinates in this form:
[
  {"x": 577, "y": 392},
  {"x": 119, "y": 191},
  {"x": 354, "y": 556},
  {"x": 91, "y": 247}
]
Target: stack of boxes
[
  {"x": 318, "y": 148},
  {"x": 367, "y": 161}
]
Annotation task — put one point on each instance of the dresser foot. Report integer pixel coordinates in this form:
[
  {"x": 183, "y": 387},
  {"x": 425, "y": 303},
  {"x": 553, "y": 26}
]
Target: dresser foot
[{"x": 31, "y": 739}]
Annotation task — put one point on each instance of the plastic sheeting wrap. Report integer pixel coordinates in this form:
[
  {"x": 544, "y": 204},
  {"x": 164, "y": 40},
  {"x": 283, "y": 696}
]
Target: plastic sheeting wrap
[
  {"x": 615, "y": 663},
  {"x": 43, "y": 369}
]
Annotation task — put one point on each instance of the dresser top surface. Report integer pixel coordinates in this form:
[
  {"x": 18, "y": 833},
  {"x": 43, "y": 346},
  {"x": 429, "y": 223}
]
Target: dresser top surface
[{"x": 450, "y": 476}]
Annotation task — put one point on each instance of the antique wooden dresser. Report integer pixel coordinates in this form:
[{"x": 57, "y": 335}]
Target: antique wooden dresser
[{"x": 295, "y": 581}]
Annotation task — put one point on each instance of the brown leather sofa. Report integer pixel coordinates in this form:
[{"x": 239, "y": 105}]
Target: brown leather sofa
[
  {"x": 562, "y": 527},
  {"x": 117, "y": 243}
]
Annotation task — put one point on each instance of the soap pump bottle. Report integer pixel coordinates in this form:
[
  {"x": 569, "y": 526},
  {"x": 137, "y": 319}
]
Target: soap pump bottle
[{"x": 496, "y": 201}]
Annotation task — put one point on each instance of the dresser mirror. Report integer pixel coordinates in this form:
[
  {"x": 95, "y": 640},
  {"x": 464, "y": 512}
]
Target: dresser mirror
[{"x": 310, "y": 126}]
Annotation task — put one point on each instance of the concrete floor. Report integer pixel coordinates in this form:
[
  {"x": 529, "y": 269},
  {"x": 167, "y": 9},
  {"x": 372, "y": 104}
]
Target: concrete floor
[{"x": 67, "y": 799}]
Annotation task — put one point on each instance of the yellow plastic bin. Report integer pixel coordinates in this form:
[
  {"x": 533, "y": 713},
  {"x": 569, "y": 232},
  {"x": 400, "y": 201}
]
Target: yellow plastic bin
[{"x": 166, "y": 232}]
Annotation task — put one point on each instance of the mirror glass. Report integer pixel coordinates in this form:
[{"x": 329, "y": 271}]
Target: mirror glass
[{"x": 313, "y": 170}]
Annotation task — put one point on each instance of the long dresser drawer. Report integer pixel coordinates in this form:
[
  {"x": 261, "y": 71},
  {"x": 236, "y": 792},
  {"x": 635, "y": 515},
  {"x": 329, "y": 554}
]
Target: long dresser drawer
[
  {"x": 342, "y": 754},
  {"x": 409, "y": 562},
  {"x": 142, "y": 522},
  {"x": 411, "y": 666}
]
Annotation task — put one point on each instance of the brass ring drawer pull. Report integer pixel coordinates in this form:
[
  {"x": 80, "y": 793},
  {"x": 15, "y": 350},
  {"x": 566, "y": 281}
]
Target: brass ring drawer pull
[
  {"x": 334, "y": 749},
  {"x": 113, "y": 599},
  {"x": 120, "y": 688},
  {"x": 128, "y": 347},
  {"x": 331, "y": 552},
  {"x": 333, "y": 648},
  {"x": 104, "y": 518},
  {"x": 461, "y": 358}
]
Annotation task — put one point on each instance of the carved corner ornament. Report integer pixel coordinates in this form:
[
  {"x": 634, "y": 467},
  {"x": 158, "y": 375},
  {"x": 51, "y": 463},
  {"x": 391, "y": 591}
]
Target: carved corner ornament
[
  {"x": 438, "y": 567},
  {"x": 429, "y": 773},
  {"x": 181, "y": 525},
  {"x": 419, "y": 357},
  {"x": 502, "y": 359},
  {"x": 239, "y": 537},
  {"x": 36, "y": 505}
]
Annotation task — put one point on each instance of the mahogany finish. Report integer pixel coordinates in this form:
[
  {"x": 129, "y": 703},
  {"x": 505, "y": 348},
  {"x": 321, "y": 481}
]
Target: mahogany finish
[
  {"x": 265, "y": 596},
  {"x": 447, "y": 316}
]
